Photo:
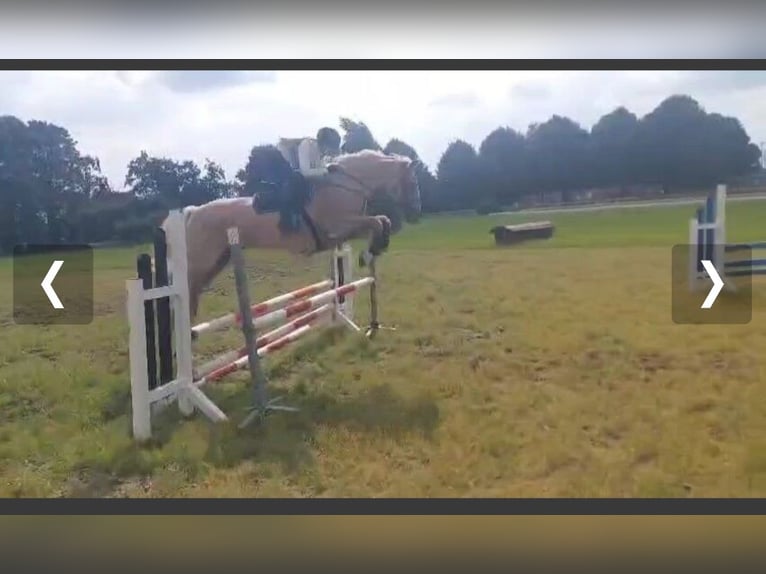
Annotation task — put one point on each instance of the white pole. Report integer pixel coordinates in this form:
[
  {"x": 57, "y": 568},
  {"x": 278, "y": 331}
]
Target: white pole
[
  {"x": 139, "y": 381},
  {"x": 693, "y": 251},
  {"x": 720, "y": 229},
  {"x": 182, "y": 341},
  {"x": 348, "y": 275},
  {"x": 337, "y": 278}
]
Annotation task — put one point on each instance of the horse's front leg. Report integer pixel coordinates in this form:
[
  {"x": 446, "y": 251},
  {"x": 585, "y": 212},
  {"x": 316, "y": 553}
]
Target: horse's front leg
[
  {"x": 380, "y": 234},
  {"x": 377, "y": 228}
]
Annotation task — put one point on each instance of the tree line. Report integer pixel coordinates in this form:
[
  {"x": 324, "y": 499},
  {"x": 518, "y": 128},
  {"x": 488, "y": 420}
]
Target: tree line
[{"x": 51, "y": 192}]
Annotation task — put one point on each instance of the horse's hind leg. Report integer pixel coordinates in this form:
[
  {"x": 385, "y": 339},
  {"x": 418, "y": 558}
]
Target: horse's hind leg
[
  {"x": 219, "y": 265},
  {"x": 195, "y": 291},
  {"x": 201, "y": 275}
]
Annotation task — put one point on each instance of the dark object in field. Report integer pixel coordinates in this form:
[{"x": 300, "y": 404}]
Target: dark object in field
[{"x": 510, "y": 234}]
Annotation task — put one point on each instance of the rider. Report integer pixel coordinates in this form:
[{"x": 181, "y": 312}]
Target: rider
[
  {"x": 284, "y": 186},
  {"x": 328, "y": 141}
]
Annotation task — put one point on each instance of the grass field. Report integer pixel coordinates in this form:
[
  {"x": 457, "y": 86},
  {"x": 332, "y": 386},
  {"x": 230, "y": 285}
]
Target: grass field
[{"x": 553, "y": 369}]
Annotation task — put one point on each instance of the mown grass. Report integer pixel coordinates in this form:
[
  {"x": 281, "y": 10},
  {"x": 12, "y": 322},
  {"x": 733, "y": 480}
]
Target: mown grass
[{"x": 552, "y": 369}]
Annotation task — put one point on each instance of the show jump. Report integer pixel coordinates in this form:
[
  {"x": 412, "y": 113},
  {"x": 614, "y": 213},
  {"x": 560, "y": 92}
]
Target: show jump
[
  {"x": 318, "y": 210},
  {"x": 162, "y": 364},
  {"x": 707, "y": 241}
]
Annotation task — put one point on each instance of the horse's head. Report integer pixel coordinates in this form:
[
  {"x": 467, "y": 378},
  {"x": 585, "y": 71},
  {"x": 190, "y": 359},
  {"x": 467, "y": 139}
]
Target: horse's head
[
  {"x": 388, "y": 182},
  {"x": 409, "y": 193}
]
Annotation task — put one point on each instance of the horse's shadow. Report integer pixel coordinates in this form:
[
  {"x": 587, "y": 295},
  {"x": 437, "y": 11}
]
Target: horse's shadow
[{"x": 290, "y": 438}]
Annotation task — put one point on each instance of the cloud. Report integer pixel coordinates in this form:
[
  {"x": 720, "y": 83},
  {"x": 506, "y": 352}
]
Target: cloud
[
  {"x": 193, "y": 81},
  {"x": 530, "y": 91},
  {"x": 15, "y": 85},
  {"x": 457, "y": 100},
  {"x": 724, "y": 81}
]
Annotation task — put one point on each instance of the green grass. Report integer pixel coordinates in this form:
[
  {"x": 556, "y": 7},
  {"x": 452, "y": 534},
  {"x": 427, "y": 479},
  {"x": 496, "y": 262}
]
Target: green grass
[
  {"x": 552, "y": 369},
  {"x": 628, "y": 227}
]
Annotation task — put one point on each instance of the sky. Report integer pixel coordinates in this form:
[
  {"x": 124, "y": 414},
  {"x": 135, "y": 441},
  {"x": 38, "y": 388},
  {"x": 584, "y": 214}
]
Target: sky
[{"x": 221, "y": 114}]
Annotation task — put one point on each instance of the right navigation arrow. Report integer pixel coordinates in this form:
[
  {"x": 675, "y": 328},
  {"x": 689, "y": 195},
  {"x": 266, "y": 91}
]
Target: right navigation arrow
[{"x": 717, "y": 283}]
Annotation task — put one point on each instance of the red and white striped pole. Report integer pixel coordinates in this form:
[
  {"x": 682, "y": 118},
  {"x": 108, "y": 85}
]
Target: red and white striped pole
[
  {"x": 260, "y": 309},
  {"x": 242, "y": 363},
  {"x": 311, "y": 303},
  {"x": 309, "y": 318}
]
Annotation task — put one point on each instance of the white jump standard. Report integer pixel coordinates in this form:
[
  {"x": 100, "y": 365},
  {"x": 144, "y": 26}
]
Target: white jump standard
[
  {"x": 165, "y": 293},
  {"x": 181, "y": 389},
  {"x": 707, "y": 241}
]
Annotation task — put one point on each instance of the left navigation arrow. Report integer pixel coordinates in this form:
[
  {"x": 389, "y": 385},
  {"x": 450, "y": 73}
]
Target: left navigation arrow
[{"x": 47, "y": 284}]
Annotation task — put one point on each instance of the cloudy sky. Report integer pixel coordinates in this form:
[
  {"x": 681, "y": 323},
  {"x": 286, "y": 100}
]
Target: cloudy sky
[{"x": 222, "y": 114}]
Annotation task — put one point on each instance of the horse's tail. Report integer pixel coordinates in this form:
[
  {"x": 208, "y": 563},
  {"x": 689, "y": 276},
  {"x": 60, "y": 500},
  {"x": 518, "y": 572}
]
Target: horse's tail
[{"x": 186, "y": 212}]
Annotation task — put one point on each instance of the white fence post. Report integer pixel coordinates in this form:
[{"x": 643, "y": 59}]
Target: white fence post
[
  {"x": 139, "y": 381},
  {"x": 182, "y": 341}
]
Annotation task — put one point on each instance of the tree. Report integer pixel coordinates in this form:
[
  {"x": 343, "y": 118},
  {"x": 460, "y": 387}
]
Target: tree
[
  {"x": 238, "y": 185},
  {"x": 357, "y": 136},
  {"x": 730, "y": 151},
  {"x": 44, "y": 180},
  {"x": 211, "y": 186},
  {"x": 613, "y": 144},
  {"x": 502, "y": 159},
  {"x": 559, "y": 155},
  {"x": 681, "y": 145},
  {"x": 458, "y": 177},
  {"x": 398, "y": 147},
  {"x": 161, "y": 177},
  {"x": 66, "y": 177},
  {"x": 176, "y": 183},
  {"x": 667, "y": 138},
  {"x": 429, "y": 191},
  {"x": 21, "y": 200}
]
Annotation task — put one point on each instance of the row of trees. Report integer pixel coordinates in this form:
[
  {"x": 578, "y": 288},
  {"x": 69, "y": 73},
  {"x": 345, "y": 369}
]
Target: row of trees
[
  {"x": 51, "y": 192},
  {"x": 677, "y": 146}
]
